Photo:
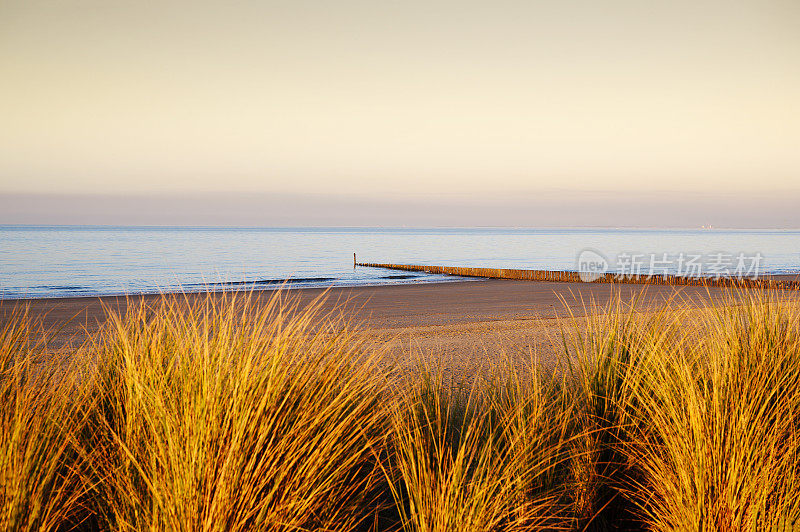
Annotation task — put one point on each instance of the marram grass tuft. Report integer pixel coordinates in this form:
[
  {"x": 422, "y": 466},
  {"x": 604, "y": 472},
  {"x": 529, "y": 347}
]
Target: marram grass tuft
[
  {"x": 223, "y": 414},
  {"x": 220, "y": 412}
]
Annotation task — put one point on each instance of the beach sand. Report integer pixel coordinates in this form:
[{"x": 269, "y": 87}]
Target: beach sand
[{"x": 465, "y": 324}]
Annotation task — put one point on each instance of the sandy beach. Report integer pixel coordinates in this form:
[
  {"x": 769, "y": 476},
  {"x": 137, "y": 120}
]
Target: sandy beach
[{"x": 464, "y": 323}]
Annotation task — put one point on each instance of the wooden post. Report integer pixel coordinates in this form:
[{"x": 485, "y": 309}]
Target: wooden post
[{"x": 354, "y": 260}]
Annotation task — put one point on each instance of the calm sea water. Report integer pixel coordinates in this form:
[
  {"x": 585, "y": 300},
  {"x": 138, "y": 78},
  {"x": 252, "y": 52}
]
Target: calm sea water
[{"x": 86, "y": 261}]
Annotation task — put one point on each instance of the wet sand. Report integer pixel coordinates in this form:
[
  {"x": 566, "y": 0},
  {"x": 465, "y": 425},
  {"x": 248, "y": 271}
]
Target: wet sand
[{"x": 466, "y": 323}]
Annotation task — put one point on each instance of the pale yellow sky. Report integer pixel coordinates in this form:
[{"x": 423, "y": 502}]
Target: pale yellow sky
[{"x": 399, "y": 98}]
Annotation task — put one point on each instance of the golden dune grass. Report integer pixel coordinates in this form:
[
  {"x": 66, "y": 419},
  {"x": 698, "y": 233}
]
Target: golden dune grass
[{"x": 227, "y": 414}]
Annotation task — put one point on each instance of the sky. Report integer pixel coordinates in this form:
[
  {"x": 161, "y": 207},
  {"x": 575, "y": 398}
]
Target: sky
[{"x": 567, "y": 113}]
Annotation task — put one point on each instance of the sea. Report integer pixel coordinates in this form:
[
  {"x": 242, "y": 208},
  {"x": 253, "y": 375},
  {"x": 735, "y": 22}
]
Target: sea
[{"x": 74, "y": 261}]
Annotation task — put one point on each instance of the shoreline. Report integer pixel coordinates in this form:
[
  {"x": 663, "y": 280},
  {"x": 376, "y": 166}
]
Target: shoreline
[
  {"x": 243, "y": 286},
  {"x": 256, "y": 286}
]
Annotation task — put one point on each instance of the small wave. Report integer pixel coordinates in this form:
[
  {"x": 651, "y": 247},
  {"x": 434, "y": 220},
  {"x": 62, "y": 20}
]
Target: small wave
[
  {"x": 60, "y": 287},
  {"x": 44, "y": 291},
  {"x": 270, "y": 282},
  {"x": 401, "y": 276}
]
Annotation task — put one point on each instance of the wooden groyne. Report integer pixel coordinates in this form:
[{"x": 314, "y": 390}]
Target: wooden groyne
[{"x": 575, "y": 277}]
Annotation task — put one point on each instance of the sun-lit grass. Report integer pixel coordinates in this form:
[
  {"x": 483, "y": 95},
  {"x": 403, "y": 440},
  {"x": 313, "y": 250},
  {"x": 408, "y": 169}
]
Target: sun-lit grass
[
  {"x": 40, "y": 417},
  {"x": 223, "y": 413},
  {"x": 483, "y": 456},
  {"x": 603, "y": 351},
  {"x": 450, "y": 475},
  {"x": 716, "y": 435}
]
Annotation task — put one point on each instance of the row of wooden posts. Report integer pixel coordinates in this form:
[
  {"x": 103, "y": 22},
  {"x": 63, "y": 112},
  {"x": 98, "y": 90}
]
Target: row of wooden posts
[{"x": 574, "y": 277}]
